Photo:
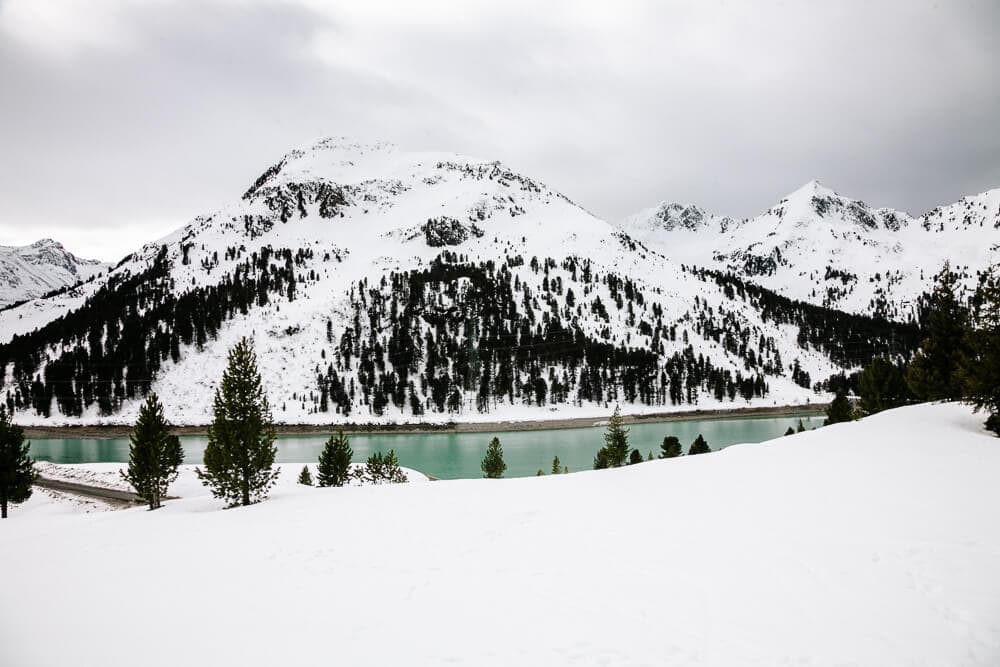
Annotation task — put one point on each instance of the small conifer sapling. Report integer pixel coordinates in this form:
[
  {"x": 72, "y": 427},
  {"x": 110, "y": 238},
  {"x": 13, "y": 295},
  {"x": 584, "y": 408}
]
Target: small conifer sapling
[
  {"x": 493, "y": 465},
  {"x": 699, "y": 446},
  {"x": 671, "y": 447},
  {"x": 334, "y": 468}
]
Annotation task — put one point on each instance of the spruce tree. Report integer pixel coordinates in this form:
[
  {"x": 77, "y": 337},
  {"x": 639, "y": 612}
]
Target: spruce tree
[
  {"x": 932, "y": 374},
  {"x": 556, "y": 465},
  {"x": 239, "y": 458},
  {"x": 671, "y": 447},
  {"x": 493, "y": 465},
  {"x": 801, "y": 427},
  {"x": 790, "y": 431},
  {"x": 615, "y": 452},
  {"x": 699, "y": 446},
  {"x": 334, "y": 467},
  {"x": 154, "y": 454},
  {"x": 373, "y": 471},
  {"x": 980, "y": 370},
  {"x": 840, "y": 410},
  {"x": 601, "y": 459},
  {"x": 881, "y": 386},
  {"x": 17, "y": 470},
  {"x": 635, "y": 457},
  {"x": 540, "y": 473},
  {"x": 305, "y": 477},
  {"x": 391, "y": 472}
]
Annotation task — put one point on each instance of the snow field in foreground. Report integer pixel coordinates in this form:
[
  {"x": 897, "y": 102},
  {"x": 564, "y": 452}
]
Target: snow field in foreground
[{"x": 869, "y": 543}]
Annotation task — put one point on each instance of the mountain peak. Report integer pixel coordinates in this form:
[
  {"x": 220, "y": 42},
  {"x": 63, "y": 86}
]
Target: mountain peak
[
  {"x": 811, "y": 189},
  {"x": 339, "y": 151},
  {"x": 349, "y": 145},
  {"x": 47, "y": 243},
  {"x": 28, "y": 272},
  {"x": 324, "y": 158}
]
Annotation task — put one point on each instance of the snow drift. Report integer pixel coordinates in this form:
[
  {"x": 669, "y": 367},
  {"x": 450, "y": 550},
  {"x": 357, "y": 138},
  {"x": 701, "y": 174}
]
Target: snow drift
[{"x": 869, "y": 543}]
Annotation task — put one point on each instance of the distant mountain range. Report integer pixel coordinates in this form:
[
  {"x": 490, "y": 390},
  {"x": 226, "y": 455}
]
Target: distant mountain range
[
  {"x": 834, "y": 251},
  {"x": 386, "y": 286},
  {"x": 28, "y": 272}
]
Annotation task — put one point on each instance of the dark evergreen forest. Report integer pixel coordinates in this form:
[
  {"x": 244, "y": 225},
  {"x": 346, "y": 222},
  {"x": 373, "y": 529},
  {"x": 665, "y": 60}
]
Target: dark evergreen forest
[{"x": 455, "y": 336}]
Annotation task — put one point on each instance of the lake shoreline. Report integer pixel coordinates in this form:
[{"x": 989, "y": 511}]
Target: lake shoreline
[{"x": 118, "y": 431}]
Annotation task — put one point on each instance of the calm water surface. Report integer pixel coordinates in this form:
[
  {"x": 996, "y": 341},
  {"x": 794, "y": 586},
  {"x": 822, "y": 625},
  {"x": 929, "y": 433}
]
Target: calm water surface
[{"x": 458, "y": 455}]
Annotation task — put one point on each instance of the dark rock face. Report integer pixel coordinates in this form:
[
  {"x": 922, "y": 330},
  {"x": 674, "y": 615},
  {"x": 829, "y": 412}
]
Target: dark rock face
[
  {"x": 290, "y": 199},
  {"x": 445, "y": 231}
]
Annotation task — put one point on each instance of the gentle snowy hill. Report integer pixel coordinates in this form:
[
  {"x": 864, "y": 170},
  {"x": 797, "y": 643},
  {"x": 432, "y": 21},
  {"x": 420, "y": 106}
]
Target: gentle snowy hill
[
  {"x": 28, "y": 272},
  {"x": 868, "y": 543},
  {"x": 818, "y": 246},
  {"x": 384, "y": 285}
]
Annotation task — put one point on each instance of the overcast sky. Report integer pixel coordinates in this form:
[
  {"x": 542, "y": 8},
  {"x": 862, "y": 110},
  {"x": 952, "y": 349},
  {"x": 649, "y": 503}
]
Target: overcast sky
[{"x": 121, "y": 120}]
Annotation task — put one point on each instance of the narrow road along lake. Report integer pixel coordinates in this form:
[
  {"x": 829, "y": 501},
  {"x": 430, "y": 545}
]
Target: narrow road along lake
[{"x": 457, "y": 455}]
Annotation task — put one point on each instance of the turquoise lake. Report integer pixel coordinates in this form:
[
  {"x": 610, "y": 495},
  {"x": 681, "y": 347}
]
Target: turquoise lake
[{"x": 458, "y": 455}]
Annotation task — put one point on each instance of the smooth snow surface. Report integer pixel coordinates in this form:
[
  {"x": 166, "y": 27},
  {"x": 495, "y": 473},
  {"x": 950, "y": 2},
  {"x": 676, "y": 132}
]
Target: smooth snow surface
[{"x": 872, "y": 543}]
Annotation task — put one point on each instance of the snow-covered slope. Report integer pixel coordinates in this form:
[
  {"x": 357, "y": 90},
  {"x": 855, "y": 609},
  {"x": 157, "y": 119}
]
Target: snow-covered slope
[
  {"x": 868, "y": 543},
  {"x": 818, "y": 246},
  {"x": 384, "y": 285},
  {"x": 28, "y": 272}
]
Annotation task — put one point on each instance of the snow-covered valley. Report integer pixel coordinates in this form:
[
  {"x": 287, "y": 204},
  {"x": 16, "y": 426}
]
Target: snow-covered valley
[{"x": 868, "y": 543}]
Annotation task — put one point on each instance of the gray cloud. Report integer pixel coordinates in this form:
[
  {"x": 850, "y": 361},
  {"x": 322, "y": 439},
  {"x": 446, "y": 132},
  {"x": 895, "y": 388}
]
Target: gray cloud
[{"x": 122, "y": 120}]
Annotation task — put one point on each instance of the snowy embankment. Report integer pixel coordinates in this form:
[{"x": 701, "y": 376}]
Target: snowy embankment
[
  {"x": 107, "y": 476},
  {"x": 871, "y": 543}
]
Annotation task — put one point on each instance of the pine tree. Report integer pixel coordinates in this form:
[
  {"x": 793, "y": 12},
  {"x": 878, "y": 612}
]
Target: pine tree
[
  {"x": 615, "y": 452},
  {"x": 239, "y": 458},
  {"x": 649, "y": 457},
  {"x": 540, "y": 473},
  {"x": 932, "y": 374},
  {"x": 881, "y": 386},
  {"x": 305, "y": 477},
  {"x": 556, "y": 465},
  {"x": 334, "y": 468},
  {"x": 493, "y": 465},
  {"x": 801, "y": 427},
  {"x": 391, "y": 472},
  {"x": 840, "y": 410},
  {"x": 635, "y": 457},
  {"x": 671, "y": 447},
  {"x": 699, "y": 446},
  {"x": 601, "y": 459},
  {"x": 154, "y": 454},
  {"x": 374, "y": 466},
  {"x": 790, "y": 431},
  {"x": 17, "y": 470},
  {"x": 980, "y": 370}
]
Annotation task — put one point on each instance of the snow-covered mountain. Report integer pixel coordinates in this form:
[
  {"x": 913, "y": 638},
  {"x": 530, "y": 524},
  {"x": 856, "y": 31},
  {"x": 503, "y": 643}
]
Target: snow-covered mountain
[
  {"x": 28, "y": 272},
  {"x": 827, "y": 249},
  {"x": 383, "y": 285}
]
